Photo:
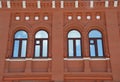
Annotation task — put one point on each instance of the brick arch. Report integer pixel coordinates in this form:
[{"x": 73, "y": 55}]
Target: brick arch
[
  {"x": 41, "y": 26},
  {"x": 95, "y": 25},
  {"x": 14, "y": 28},
  {"x": 95, "y": 28},
  {"x": 73, "y": 25},
  {"x": 76, "y": 25},
  {"x": 68, "y": 27},
  {"x": 46, "y": 27},
  {"x": 20, "y": 26},
  {"x": 19, "y": 29},
  {"x": 102, "y": 29}
]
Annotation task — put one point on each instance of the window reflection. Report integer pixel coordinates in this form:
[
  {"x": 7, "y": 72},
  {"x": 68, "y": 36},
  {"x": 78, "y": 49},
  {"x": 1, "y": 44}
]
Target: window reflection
[
  {"x": 71, "y": 54},
  {"x": 96, "y": 44},
  {"x": 74, "y": 34},
  {"x": 95, "y": 34},
  {"x": 37, "y": 50},
  {"x": 41, "y": 34},
  {"x": 41, "y": 44},
  {"x": 20, "y": 44},
  {"x": 74, "y": 44},
  {"x": 21, "y": 34},
  {"x": 16, "y": 48},
  {"x": 23, "y": 48},
  {"x": 78, "y": 48}
]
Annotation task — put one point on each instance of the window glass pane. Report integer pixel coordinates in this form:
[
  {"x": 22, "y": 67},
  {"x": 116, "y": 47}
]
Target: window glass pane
[
  {"x": 92, "y": 50},
  {"x": 21, "y": 34},
  {"x": 70, "y": 48},
  {"x": 78, "y": 48},
  {"x": 45, "y": 49},
  {"x": 37, "y": 51},
  {"x": 95, "y": 34},
  {"x": 41, "y": 34},
  {"x": 37, "y": 42},
  {"x": 100, "y": 48},
  {"x": 24, "y": 47},
  {"x": 91, "y": 41},
  {"x": 74, "y": 34},
  {"x": 16, "y": 48}
]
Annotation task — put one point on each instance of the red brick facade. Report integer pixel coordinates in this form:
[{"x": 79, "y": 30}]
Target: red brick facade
[{"x": 58, "y": 18}]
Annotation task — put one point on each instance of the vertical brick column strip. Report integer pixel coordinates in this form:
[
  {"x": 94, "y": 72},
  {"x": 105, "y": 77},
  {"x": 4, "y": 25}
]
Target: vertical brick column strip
[
  {"x": 4, "y": 24},
  {"x": 57, "y": 47},
  {"x": 113, "y": 40}
]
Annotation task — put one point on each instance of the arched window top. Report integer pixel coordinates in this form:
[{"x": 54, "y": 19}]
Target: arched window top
[
  {"x": 41, "y": 34},
  {"x": 74, "y": 34},
  {"x": 21, "y": 34},
  {"x": 95, "y": 34}
]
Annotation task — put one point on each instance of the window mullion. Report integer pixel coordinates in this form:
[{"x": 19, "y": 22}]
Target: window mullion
[
  {"x": 92, "y": 44},
  {"x": 96, "y": 48},
  {"x": 81, "y": 47},
  {"x": 41, "y": 48},
  {"x": 74, "y": 43},
  {"x": 34, "y": 47},
  {"x": 102, "y": 47},
  {"x": 20, "y": 47},
  {"x": 47, "y": 48}
]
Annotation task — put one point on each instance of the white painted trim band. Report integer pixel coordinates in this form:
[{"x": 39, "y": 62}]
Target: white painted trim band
[
  {"x": 75, "y": 59},
  {"x": 32, "y": 59}
]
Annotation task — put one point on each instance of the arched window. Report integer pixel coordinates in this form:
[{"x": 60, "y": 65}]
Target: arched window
[
  {"x": 96, "y": 43},
  {"x": 41, "y": 44},
  {"x": 20, "y": 44},
  {"x": 74, "y": 44}
]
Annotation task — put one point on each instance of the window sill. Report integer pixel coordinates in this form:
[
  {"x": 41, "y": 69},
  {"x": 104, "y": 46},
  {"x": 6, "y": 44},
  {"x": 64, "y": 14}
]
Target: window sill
[
  {"x": 31, "y": 59},
  {"x": 75, "y": 59}
]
